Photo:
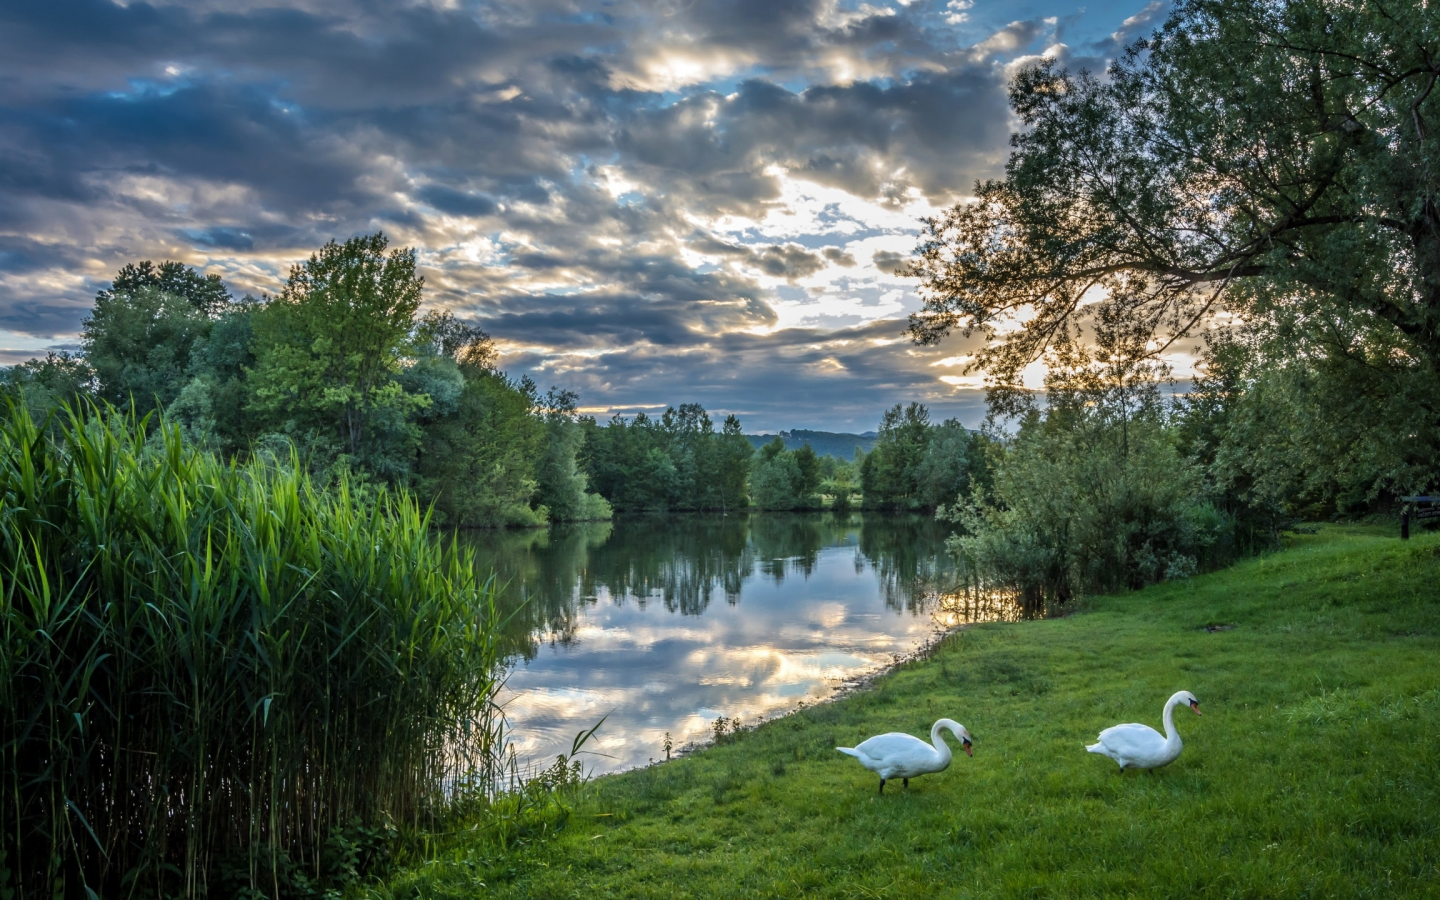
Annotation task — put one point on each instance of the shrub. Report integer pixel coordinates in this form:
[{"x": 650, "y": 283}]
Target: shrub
[{"x": 1073, "y": 509}]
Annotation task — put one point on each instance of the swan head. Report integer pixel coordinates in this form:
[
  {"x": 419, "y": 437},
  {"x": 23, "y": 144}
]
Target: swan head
[
  {"x": 959, "y": 731},
  {"x": 1188, "y": 699}
]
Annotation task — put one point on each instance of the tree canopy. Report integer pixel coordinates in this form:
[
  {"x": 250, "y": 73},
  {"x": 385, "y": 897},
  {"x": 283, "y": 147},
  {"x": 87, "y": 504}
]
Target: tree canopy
[
  {"x": 1250, "y": 157},
  {"x": 207, "y": 293}
]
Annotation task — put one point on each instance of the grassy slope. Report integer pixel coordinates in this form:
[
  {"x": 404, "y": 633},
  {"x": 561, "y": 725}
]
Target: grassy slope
[{"x": 1315, "y": 771}]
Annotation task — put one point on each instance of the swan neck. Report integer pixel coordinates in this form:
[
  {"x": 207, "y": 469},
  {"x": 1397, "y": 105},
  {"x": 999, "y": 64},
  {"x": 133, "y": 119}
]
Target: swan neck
[
  {"x": 1171, "y": 735},
  {"x": 941, "y": 748}
]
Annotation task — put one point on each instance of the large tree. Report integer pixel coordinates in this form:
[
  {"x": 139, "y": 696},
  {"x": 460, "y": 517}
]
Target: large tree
[
  {"x": 1259, "y": 157},
  {"x": 330, "y": 347}
]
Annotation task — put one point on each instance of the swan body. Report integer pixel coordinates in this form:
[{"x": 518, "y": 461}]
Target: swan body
[
  {"x": 1142, "y": 747},
  {"x": 903, "y": 756}
]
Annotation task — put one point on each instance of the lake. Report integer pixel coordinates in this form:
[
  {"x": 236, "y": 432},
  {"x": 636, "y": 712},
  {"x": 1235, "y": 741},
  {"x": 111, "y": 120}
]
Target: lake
[{"x": 663, "y": 624}]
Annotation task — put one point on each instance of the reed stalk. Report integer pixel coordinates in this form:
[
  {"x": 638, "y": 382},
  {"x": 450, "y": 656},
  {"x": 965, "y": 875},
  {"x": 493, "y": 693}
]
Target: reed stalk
[{"x": 206, "y": 668}]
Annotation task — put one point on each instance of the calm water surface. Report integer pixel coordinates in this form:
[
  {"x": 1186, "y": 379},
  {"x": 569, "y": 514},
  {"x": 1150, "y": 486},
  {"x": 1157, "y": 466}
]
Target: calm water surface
[{"x": 663, "y": 624}]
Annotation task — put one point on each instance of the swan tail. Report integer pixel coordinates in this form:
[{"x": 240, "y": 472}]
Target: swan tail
[
  {"x": 849, "y": 751},
  {"x": 1097, "y": 748}
]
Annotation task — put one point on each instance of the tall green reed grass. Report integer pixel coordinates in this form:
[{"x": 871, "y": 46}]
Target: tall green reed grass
[{"x": 209, "y": 670}]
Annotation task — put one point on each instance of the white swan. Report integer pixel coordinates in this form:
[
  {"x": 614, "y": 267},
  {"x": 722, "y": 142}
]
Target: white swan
[
  {"x": 897, "y": 755},
  {"x": 1142, "y": 747}
]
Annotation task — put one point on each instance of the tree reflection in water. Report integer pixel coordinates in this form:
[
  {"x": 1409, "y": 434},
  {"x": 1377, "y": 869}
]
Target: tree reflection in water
[
  {"x": 685, "y": 562},
  {"x": 625, "y": 622}
]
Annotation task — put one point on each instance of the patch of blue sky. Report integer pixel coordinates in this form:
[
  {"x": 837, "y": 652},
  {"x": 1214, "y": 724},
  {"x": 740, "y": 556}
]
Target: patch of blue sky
[
  {"x": 575, "y": 18},
  {"x": 148, "y": 89},
  {"x": 1079, "y": 25},
  {"x": 853, "y": 230},
  {"x": 793, "y": 294},
  {"x": 722, "y": 86},
  {"x": 730, "y": 84}
]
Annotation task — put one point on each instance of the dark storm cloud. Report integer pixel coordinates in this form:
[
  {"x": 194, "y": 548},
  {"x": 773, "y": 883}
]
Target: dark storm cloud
[
  {"x": 19, "y": 255},
  {"x": 559, "y": 163},
  {"x": 460, "y": 203}
]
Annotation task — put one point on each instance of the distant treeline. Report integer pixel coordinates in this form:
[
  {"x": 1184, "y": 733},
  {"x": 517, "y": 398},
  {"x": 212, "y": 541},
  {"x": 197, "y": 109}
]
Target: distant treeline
[
  {"x": 343, "y": 371},
  {"x": 679, "y": 461},
  {"x": 840, "y": 445}
]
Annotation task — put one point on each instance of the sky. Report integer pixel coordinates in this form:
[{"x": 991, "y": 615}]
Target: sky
[{"x": 647, "y": 202}]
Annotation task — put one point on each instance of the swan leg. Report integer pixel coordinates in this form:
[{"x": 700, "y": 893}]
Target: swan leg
[
  {"x": 882, "y": 785},
  {"x": 907, "y": 784}
]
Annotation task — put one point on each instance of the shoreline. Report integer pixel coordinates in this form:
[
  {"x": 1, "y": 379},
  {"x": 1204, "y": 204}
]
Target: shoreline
[{"x": 845, "y": 689}]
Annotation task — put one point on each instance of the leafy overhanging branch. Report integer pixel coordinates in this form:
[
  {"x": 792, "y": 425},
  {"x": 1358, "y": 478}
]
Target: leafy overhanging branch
[{"x": 1247, "y": 154}]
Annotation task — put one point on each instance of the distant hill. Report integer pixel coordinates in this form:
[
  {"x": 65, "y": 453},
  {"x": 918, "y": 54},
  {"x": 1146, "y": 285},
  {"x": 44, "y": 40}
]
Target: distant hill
[{"x": 825, "y": 443}]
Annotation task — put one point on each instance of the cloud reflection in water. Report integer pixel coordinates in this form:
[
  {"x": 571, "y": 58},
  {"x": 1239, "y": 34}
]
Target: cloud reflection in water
[{"x": 623, "y": 621}]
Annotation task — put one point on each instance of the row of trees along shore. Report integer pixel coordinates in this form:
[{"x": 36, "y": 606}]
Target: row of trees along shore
[{"x": 343, "y": 369}]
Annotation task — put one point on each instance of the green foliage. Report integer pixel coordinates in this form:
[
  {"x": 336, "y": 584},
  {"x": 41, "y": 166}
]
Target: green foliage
[
  {"x": 953, "y": 458},
  {"x": 480, "y": 437},
  {"x": 43, "y": 384},
  {"x": 1274, "y": 161},
  {"x": 1070, "y": 511},
  {"x": 1313, "y": 772},
  {"x": 732, "y": 465},
  {"x": 478, "y": 464},
  {"x": 808, "y": 465},
  {"x": 328, "y": 353},
  {"x": 140, "y": 345},
  {"x": 1312, "y": 420},
  {"x": 213, "y": 671},
  {"x": 776, "y": 481},
  {"x": 1092, "y": 493},
  {"x": 787, "y": 479},
  {"x": 206, "y": 293},
  {"x": 338, "y": 369},
  {"x": 916, "y": 465},
  {"x": 561, "y": 486},
  {"x": 675, "y": 462},
  {"x": 212, "y": 407},
  {"x": 889, "y": 473}
]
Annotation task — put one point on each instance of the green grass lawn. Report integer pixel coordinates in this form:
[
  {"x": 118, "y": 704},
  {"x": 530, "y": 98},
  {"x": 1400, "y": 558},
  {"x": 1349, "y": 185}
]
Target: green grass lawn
[{"x": 1314, "y": 772}]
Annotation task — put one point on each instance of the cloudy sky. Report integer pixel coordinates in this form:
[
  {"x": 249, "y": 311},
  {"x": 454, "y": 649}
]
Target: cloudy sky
[{"x": 644, "y": 201}]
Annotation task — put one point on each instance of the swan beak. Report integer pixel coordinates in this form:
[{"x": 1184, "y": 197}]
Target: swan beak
[
  {"x": 1195, "y": 705},
  {"x": 968, "y": 751}
]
